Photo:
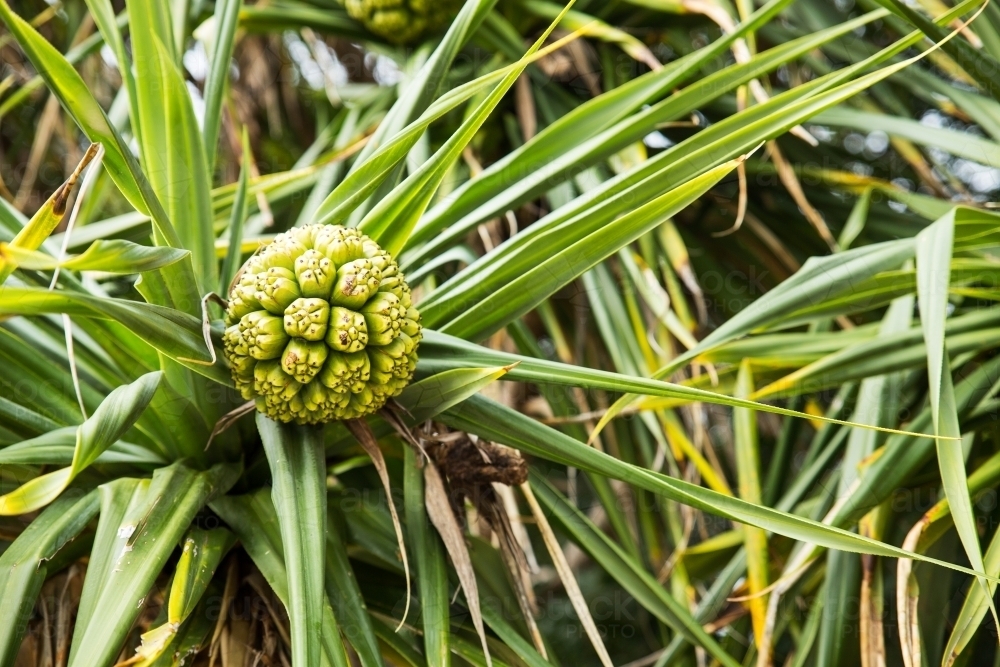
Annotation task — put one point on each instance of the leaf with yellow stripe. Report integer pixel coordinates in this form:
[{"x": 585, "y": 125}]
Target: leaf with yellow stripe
[{"x": 748, "y": 472}]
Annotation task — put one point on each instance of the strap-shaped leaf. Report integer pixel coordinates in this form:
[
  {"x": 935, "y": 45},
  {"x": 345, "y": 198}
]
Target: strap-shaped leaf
[
  {"x": 522, "y": 294},
  {"x": 497, "y": 423},
  {"x": 172, "y": 151},
  {"x": 23, "y": 565},
  {"x": 438, "y": 354},
  {"x": 632, "y": 576},
  {"x": 934, "y": 249},
  {"x": 961, "y": 144},
  {"x": 745, "y": 442},
  {"x": 110, "y": 29},
  {"x": 227, "y": 13},
  {"x": 346, "y": 596},
  {"x": 116, "y": 415},
  {"x": 431, "y": 566},
  {"x": 174, "y": 333},
  {"x": 974, "y": 609},
  {"x": 201, "y": 553},
  {"x": 298, "y": 473},
  {"x": 142, "y": 522},
  {"x": 255, "y": 522},
  {"x": 706, "y": 149},
  {"x": 110, "y": 256}
]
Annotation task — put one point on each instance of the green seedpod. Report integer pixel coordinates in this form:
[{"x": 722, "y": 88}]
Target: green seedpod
[
  {"x": 307, "y": 319},
  {"x": 403, "y": 21},
  {"x": 313, "y": 335}
]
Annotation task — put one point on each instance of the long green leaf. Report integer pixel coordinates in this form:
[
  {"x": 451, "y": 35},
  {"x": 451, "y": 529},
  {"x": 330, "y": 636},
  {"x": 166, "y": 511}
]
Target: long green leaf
[
  {"x": 298, "y": 474},
  {"x": 226, "y": 18},
  {"x": 933, "y": 253},
  {"x": 974, "y": 609},
  {"x": 431, "y": 565},
  {"x": 497, "y": 423},
  {"x": 745, "y": 441},
  {"x": 110, "y": 29},
  {"x": 438, "y": 353},
  {"x": 112, "y": 256},
  {"x": 116, "y": 415},
  {"x": 524, "y": 293},
  {"x": 631, "y": 575},
  {"x": 23, "y": 565},
  {"x": 345, "y": 595},
  {"x": 142, "y": 521},
  {"x": 957, "y": 143},
  {"x": 174, "y": 333},
  {"x": 173, "y": 154},
  {"x": 254, "y": 520}
]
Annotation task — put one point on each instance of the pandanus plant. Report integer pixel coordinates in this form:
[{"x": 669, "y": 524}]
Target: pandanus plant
[{"x": 142, "y": 399}]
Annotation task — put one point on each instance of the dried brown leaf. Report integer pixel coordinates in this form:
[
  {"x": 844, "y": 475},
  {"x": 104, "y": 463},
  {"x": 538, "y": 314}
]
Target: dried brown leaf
[
  {"x": 568, "y": 579},
  {"x": 907, "y": 598},
  {"x": 362, "y": 432},
  {"x": 440, "y": 512}
]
